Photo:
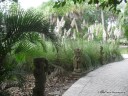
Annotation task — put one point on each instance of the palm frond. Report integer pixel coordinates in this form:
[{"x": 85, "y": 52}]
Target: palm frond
[
  {"x": 19, "y": 22},
  {"x": 13, "y": 26}
]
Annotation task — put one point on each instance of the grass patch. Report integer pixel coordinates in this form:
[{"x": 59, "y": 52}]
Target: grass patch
[{"x": 124, "y": 50}]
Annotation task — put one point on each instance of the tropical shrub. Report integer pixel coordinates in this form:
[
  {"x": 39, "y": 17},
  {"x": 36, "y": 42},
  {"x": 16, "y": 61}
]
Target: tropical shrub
[{"x": 14, "y": 26}]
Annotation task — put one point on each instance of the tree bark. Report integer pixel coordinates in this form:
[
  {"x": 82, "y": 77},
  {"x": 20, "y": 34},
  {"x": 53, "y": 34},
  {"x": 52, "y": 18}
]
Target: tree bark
[{"x": 41, "y": 66}]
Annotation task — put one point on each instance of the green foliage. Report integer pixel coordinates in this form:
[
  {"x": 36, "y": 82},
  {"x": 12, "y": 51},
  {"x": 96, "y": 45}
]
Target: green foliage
[
  {"x": 32, "y": 45},
  {"x": 20, "y": 60},
  {"x": 112, "y": 52},
  {"x": 124, "y": 50},
  {"x": 48, "y": 8},
  {"x": 12, "y": 71},
  {"x": 102, "y": 3},
  {"x": 90, "y": 59},
  {"x": 14, "y": 7},
  {"x": 16, "y": 23},
  {"x": 124, "y": 20},
  {"x": 14, "y": 26},
  {"x": 20, "y": 42},
  {"x": 84, "y": 11}
]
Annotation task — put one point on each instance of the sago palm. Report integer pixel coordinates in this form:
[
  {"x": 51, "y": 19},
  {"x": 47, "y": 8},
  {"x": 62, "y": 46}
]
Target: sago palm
[{"x": 13, "y": 25}]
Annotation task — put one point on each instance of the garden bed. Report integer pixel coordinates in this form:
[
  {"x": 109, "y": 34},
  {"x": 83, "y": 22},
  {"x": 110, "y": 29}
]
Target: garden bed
[{"x": 55, "y": 86}]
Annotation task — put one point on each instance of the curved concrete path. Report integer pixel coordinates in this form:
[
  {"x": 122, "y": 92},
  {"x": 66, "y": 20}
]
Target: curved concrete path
[{"x": 108, "y": 80}]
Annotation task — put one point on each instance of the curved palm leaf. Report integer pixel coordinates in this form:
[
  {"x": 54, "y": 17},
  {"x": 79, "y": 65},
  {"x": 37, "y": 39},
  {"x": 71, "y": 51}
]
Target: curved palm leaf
[
  {"x": 17, "y": 23},
  {"x": 14, "y": 25}
]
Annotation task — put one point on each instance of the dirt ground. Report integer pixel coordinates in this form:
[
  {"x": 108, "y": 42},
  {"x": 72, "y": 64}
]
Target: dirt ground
[{"x": 55, "y": 86}]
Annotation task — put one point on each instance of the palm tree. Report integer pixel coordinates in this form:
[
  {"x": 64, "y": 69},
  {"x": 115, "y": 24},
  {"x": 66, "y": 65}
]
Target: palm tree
[{"x": 13, "y": 25}]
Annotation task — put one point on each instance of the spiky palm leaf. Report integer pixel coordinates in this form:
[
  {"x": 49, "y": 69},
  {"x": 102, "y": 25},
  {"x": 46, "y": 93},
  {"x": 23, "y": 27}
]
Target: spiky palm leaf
[
  {"x": 30, "y": 46},
  {"x": 14, "y": 25},
  {"x": 19, "y": 22}
]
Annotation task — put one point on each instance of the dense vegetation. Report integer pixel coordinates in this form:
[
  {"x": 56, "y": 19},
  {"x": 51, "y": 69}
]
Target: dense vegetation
[{"x": 23, "y": 37}]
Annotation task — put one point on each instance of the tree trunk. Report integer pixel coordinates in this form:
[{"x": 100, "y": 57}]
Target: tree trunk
[
  {"x": 102, "y": 18},
  {"x": 41, "y": 66}
]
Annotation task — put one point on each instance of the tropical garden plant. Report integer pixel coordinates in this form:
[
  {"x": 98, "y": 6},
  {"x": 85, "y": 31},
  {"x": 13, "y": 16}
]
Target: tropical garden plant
[{"x": 14, "y": 26}]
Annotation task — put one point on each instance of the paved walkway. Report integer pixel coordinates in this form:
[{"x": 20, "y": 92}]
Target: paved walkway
[
  {"x": 108, "y": 80},
  {"x": 125, "y": 56}
]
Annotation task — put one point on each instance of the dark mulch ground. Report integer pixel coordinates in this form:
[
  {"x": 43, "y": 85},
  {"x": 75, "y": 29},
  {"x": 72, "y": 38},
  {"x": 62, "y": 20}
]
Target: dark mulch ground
[{"x": 55, "y": 85}]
